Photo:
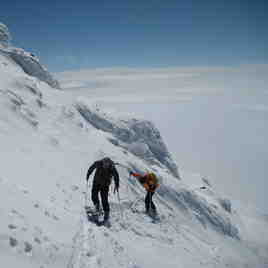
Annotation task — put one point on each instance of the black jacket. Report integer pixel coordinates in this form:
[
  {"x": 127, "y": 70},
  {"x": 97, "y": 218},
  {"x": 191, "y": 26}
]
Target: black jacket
[{"x": 103, "y": 176}]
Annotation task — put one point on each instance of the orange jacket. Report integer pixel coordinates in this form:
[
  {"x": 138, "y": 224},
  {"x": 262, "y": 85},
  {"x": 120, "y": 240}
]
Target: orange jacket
[{"x": 148, "y": 181}]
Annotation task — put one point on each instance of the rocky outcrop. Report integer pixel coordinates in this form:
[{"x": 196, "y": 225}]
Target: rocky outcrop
[
  {"x": 30, "y": 65},
  {"x": 140, "y": 137}
]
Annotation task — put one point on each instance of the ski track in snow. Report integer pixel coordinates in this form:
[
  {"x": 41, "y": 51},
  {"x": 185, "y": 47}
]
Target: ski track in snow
[
  {"x": 98, "y": 247},
  {"x": 104, "y": 247}
]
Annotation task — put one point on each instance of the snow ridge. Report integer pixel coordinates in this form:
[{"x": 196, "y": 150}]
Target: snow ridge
[
  {"x": 30, "y": 65},
  {"x": 206, "y": 213},
  {"x": 140, "y": 137}
]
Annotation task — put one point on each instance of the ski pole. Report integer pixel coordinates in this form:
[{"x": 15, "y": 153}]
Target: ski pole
[
  {"x": 128, "y": 193},
  {"x": 120, "y": 208},
  {"x": 150, "y": 204},
  {"x": 134, "y": 203},
  {"x": 86, "y": 195}
]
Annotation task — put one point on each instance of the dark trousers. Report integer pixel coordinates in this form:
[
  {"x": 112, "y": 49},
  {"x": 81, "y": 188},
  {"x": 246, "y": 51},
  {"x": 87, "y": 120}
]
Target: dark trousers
[
  {"x": 104, "y": 191},
  {"x": 149, "y": 204}
]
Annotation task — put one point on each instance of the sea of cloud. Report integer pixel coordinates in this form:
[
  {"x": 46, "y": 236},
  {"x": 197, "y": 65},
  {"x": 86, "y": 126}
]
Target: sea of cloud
[{"x": 214, "y": 119}]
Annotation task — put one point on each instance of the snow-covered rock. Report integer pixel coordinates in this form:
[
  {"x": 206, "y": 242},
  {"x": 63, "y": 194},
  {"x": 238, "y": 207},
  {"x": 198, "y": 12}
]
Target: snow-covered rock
[
  {"x": 30, "y": 65},
  {"x": 140, "y": 137},
  {"x": 5, "y": 35},
  {"x": 19, "y": 92},
  {"x": 206, "y": 211}
]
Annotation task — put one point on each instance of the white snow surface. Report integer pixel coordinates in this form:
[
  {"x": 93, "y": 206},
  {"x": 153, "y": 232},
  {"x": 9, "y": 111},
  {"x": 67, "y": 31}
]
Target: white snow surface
[
  {"x": 30, "y": 64},
  {"x": 48, "y": 139}
]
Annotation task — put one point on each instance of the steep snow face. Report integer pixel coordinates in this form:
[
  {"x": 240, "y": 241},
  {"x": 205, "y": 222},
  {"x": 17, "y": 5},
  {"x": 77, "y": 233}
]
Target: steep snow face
[
  {"x": 30, "y": 65},
  {"x": 138, "y": 136},
  {"x": 47, "y": 142},
  {"x": 209, "y": 212},
  {"x": 19, "y": 92}
]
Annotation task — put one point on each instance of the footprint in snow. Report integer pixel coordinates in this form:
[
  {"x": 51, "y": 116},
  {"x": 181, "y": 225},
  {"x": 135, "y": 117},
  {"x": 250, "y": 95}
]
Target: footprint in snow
[
  {"x": 46, "y": 239},
  {"x": 38, "y": 229},
  {"x": 74, "y": 188},
  {"x": 14, "y": 211},
  {"x": 13, "y": 242},
  {"x": 47, "y": 213},
  {"x": 27, "y": 247},
  {"x": 25, "y": 191},
  {"x": 52, "y": 198},
  {"x": 55, "y": 218},
  {"x": 12, "y": 227},
  {"x": 37, "y": 240}
]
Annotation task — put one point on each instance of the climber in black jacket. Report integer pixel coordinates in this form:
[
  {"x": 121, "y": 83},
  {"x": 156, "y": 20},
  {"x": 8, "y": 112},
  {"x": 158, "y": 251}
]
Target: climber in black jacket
[{"x": 105, "y": 170}]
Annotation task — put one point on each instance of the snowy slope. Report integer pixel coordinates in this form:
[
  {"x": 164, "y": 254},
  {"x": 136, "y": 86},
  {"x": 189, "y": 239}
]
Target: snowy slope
[
  {"x": 48, "y": 138},
  {"x": 30, "y": 64}
]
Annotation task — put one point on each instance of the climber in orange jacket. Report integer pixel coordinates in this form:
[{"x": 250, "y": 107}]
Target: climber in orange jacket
[{"x": 150, "y": 183}]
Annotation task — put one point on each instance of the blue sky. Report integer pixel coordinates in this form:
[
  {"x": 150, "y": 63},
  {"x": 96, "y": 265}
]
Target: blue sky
[{"x": 87, "y": 34}]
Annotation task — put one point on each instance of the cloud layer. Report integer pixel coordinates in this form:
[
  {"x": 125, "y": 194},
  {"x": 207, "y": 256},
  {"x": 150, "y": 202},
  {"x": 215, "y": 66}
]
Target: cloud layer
[
  {"x": 178, "y": 83},
  {"x": 214, "y": 119}
]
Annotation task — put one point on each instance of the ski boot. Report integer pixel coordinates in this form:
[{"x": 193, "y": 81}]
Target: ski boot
[{"x": 106, "y": 221}]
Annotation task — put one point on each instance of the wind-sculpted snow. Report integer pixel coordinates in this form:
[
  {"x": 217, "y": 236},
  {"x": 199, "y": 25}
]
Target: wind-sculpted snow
[
  {"x": 23, "y": 97},
  {"x": 138, "y": 136},
  {"x": 30, "y": 65},
  {"x": 194, "y": 204},
  {"x": 226, "y": 204}
]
